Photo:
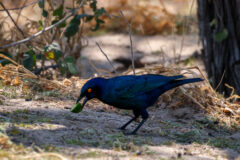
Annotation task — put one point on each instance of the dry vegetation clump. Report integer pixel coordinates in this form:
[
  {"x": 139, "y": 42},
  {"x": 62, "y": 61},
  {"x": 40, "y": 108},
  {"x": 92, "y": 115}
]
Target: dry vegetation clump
[
  {"x": 202, "y": 94},
  {"x": 148, "y": 17},
  {"x": 13, "y": 74}
]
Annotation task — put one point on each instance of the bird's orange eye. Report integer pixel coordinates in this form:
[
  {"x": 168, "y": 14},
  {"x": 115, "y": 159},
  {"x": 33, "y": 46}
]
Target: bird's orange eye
[{"x": 89, "y": 90}]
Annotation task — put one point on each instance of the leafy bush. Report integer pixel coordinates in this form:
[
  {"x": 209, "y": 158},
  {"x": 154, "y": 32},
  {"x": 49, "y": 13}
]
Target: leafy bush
[{"x": 65, "y": 35}]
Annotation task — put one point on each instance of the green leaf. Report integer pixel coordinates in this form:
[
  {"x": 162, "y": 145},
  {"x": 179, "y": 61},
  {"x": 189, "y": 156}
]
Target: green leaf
[
  {"x": 62, "y": 25},
  {"x": 93, "y": 5},
  {"x": 213, "y": 22},
  {"x": 89, "y": 18},
  {"x": 41, "y": 3},
  {"x": 99, "y": 12},
  {"x": 58, "y": 54},
  {"x": 222, "y": 35},
  {"x": 75, "y": 20},
  {"x": 29, "y": 60},
  {"x": 69, "y": 59},
  {"x": 99, "y": 21},
  {"x": 41, "y": 25},
  {"x": 58, "y": 12},
  {"x": 34, "y": 58},
  {"x": 40, "y": 22},
  {"x": 80, "y": 16},
  {"x": 38, "y": 56},
  {"x": 72, "y": 28},
  {"x": 77, "y": 108},
  {"x": 72, "y": 69},
  {"x": 44, "y": 13},
  {"x": 62, "y": 67}
]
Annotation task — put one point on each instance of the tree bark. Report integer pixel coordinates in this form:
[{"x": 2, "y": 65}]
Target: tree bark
[{"x": 221, "y": 56}]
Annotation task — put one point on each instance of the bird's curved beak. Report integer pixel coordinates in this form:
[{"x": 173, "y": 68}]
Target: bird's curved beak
[{"x": 84, "y": 101}]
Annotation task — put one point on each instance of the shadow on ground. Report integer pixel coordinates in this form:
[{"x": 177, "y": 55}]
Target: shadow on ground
[{"x": 170, "y": 133}]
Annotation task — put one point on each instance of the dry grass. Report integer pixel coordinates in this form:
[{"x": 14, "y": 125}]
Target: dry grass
[{"x": 203, "y": 95}]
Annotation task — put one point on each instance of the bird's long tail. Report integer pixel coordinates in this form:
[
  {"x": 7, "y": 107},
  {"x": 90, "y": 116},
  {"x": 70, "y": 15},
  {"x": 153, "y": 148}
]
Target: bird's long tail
[{"x": 176, "y": 83}]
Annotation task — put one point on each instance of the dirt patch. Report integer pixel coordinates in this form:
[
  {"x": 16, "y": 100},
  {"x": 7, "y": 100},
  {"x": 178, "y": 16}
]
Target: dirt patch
[{"x": 171, "y": 133}]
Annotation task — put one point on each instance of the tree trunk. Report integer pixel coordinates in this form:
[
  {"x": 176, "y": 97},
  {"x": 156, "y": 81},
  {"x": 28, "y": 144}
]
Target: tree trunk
[{"x": 219, "y": 25}]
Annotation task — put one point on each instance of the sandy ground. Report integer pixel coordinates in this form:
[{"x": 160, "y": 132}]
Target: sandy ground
[{"x": 170, "y": 133}]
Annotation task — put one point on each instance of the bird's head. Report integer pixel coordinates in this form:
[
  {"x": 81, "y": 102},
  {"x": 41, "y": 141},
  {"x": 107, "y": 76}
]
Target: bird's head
[{"x": 91, "y": 89}]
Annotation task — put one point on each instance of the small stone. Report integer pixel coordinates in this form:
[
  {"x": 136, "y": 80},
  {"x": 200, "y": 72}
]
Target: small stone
[{"x": 179, "y": 155}]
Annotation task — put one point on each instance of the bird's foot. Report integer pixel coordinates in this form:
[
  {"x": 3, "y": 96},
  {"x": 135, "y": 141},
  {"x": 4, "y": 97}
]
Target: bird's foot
[
  {"x": 129, "y": 134},
  {"x": 121, "y": 128}
]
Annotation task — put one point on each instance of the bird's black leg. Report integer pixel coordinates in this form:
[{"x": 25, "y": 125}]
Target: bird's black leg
[
  {"x": 136, "y": 115},
  {"x": 145, "y": 116},
  {"x": 126, "y": 124}
]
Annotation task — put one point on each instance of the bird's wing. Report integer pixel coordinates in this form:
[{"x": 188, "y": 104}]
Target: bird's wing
[{"x": 128, "y": 87}]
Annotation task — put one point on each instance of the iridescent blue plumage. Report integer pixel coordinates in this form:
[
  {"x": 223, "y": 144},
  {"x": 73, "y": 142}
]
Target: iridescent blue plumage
[{"x": 136, "y": 93}]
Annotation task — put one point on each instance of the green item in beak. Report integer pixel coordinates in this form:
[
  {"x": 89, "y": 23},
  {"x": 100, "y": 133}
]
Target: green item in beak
[{"x": 77, "y": 108}]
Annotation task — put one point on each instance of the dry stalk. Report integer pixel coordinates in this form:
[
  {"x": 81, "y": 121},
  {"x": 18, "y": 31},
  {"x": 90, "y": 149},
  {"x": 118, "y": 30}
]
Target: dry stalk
[
  {"x": 193, "y": 99},
  {"x": 9, "y": 15},
  {"x": 220, "y": 80},
  {"x": 204, "y": 77},
  {"x": 186, "y": 22},
  {"x": 106, "y": 58},
  {"x": 99, "y": 70},
  {"x": 130, "y": 38},
  {"x": 232, "y": 95}
]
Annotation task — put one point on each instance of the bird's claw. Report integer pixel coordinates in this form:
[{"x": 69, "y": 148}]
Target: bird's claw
[
  {"x": 126, "y": 133},
  {"x": 130, "y": 134},
  {"x": 121, "y": 128}
]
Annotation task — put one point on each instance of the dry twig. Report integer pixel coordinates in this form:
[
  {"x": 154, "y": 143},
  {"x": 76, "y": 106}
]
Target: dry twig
[
  {"x": 99, "y": 70},
  {"x": 106, "y": 57},
  {"x": 220, "y": 80},
  {"x": 186, "y": 22},
  {"x": 130, "y": 37},
  {"x": 26, "y": 5},
  {"x": 18, "y": 28}
]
